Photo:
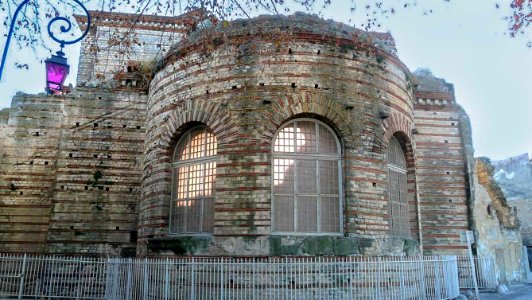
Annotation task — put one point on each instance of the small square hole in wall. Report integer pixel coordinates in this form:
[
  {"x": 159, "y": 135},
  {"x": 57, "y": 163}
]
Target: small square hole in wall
[
  {"x": 22, "y": 193},
  {"x": 446, "y": 141},
  {"x": 374, "y": 184},
  {"x": 124, "y": 125},
  {"x": 138, "y": 127},
  {"x": 108, "y": 156},
  {"x": 319, "y": 52},
  {"x": 95, "y": 156},
  {"x": 448, "y": 173},
  {"x": 107, "y": 189},
  {"x": 86, "y": 188},
  {"x": 450, "y": 201},
  {"x": 117, "y": 228},
  {"x": 31, "y": 162},
  {"x": 46, "y": 163},
  {"x": 36, "y": 134},
  {"x": 293, "y": 85},
  {"x": 62, "y": 187},
  {"x": 316, "y": 86},
  {"x": 289, "y": 50},
  {"x": 70, "y": 155},
  {"x": 77, "y": 124},
  {"x": 131, "y": 190},
  {"x": 95, "y": 124},
  {"x": 452, "y": 124},
  {"x": 71, "y": 227},
  {"x": 261, "y": 84},
  {"x": 99, "y": 98},
  {"x": 133, "y": 236}
]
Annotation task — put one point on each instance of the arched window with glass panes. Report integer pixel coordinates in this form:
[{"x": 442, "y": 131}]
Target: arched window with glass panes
[
  {"x": 306, "y": 187},
  {"x": 398, "y": 190},
  {"x": 194, "y": 173}
]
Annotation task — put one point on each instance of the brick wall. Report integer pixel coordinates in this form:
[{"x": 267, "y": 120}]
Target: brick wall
[
  {"x": 441, "y": 166},
  {"x": 115, "y": 40},
  {"x": 244, "y": 88},
  {"x": 52, "y": 148}
]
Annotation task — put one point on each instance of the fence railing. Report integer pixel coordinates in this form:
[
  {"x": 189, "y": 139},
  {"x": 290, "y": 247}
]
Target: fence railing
[
  {"x": 485, "y": 271},
  {"x": 230, "y": 278}
]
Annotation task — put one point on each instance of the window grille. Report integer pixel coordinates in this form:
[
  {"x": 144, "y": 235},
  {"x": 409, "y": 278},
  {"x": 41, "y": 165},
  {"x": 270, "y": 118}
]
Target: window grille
[
  {"x": 306, "y": 179},
  {"x": 194, "y": 173},
  {"x": 397, "y": 190}
]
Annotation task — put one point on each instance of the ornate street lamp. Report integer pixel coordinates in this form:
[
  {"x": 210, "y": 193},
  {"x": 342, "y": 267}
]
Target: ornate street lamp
[
  {"x": 57, "y": 67},
  {"x": 56, "y": 72}
]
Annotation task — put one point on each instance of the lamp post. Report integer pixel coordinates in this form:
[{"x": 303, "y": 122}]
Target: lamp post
[{"x": 56, "y": 66}]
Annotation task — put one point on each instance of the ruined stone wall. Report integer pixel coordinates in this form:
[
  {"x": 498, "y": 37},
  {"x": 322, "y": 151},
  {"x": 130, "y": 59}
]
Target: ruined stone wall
[
  {"x": 70, "y": 172},
  {"x": 496, "y": 227},
  {"x": 244, "y": 82},
  {"x": 117, "y": 41},
  {"x": 440, "y": 166},
  {"x": 524, "y": 214}
]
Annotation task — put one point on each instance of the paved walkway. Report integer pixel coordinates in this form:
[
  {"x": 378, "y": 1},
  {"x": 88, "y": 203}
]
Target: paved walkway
[{"x": 517, "y": 292}]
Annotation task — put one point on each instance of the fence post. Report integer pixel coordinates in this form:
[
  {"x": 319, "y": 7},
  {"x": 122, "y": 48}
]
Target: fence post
[
  {"x": 22, "y": 275},
  {"x": 437, "y": 278},
  {"x": 128, "y": 283},
  {"x": 166, "y": 279},
  {"x": 193, "y": 283},
  {"x": 422, "y": 273},
  {"x": 455, "y": 277},
  {"x": 379, "y": 277},
  {"x": 222, "y": 279},
  {"x": 145, "y": 287}
]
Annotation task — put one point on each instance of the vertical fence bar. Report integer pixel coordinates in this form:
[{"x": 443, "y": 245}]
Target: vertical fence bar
[
  {"x": 22, "y": 275},
  {"x": 238, "y": 278}
]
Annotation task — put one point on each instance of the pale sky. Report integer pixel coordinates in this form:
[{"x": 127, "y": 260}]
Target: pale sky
[{"x": 462, "y": 42}]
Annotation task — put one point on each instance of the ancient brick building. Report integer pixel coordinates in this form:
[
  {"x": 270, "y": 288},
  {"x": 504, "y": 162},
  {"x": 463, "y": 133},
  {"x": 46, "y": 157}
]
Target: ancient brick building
[{"x": 270, "y": 136}]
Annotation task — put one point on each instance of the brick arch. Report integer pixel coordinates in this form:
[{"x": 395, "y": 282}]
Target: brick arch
[
  {"x": 314, "y": 105},
  {"x": 397, "y": 122},
  {"x": 400, "y": 127},
  {"x": 193, "y": 112}
]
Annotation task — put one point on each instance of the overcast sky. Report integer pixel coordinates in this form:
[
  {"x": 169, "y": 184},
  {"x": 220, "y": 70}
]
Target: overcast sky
[{"x": 462, "y": 42}]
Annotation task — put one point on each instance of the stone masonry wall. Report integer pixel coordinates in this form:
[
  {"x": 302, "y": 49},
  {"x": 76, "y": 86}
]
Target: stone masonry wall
[
  {"x": 117, "y": 40},
  {"x": 441, "y": 167},
  {"x": 524, "y": 214},
  {"x": 70, "y": 172},
  {"x": 496, "y": 226},
  {"x": 244, "y": 82}
]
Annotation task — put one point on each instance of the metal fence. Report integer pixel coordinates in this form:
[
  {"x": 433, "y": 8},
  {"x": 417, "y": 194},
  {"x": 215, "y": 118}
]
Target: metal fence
[
  {"x": 230, "y": 278},
  {"x": 485, "y": 271}
]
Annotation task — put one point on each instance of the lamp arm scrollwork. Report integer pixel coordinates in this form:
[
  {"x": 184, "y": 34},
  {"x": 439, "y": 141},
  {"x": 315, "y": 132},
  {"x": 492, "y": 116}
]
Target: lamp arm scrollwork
[
  {"x": 63, "y": 29},
  {"x": 68, "y": 27}
]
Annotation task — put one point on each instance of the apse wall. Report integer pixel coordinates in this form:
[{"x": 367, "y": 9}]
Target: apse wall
[{"x": 244, "y": 81}]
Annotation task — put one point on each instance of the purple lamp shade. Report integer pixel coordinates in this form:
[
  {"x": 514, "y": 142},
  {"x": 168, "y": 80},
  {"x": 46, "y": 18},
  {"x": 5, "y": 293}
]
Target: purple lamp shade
[{"x": 56, "y": 72}]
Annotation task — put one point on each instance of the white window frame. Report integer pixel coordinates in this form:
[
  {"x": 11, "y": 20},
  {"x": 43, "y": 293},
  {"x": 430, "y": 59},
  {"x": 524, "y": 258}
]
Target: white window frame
[
  {"x": 315, "y": 157},
  {"x": 189, "y": 162},
  {"x": 398, "y": 231}
]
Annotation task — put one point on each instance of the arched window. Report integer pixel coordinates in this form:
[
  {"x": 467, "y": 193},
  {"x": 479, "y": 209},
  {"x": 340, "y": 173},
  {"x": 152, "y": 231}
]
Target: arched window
[
  {"x": 397, "y": 190},
  {"x": 306, "y": 179},
  {"x": 194, "y": 172}
]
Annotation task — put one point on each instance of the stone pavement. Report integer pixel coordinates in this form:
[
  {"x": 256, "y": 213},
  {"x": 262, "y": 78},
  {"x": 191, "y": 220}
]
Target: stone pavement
[{"x": 517, "y": 292}]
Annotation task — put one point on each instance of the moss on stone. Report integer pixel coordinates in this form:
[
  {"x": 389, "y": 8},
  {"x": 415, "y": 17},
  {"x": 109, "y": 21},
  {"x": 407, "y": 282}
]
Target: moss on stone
[{"x": 186, "y": 245}]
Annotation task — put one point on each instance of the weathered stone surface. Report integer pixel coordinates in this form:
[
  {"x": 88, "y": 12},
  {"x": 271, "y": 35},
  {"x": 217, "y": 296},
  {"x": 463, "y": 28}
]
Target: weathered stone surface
[
  {"x": 514, "y": 176},
  {"x": 495, "y": 226},
  {"x": 443, "y": 149},
  {"x": 244, "y": 87},
  {"x": 81, "y": 173}
]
